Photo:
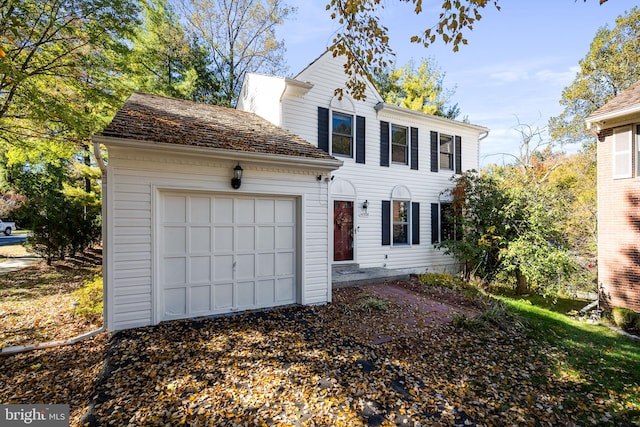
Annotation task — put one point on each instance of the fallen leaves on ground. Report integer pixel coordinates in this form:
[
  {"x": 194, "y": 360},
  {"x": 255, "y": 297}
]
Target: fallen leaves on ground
[
  {"x": 311, "y": 366},
  {"x": 36, "y": 302}
]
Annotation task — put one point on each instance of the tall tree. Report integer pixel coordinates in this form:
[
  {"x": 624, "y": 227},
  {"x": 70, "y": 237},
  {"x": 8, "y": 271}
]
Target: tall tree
[
  {"x": 364, "y": 39},
  {"x": 56, "y": 65},
  {"x": 611, "y": 65},
  {"x": 420, "y": 89},
  {"x": 168, "y": 61},
  {"x": 241, "y": 37}
]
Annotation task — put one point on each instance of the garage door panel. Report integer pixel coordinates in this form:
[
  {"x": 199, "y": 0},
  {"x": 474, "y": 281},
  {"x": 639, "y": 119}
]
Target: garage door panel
[
  {"x": 175, "y": 209},
  {"x": 223, "y": 296},
  {"x": 200, "y": 299},
  {"x": 223, "y": 239},
  {"x": 284, "y": 211},
  {"x": 222, "y": 267},
  {"x": 245, "y": 294},
  {"x": 246, "y": 239},
  {"x": 175, "y": 302},
  {"x": 266, "y": 292},
  {"x": 223, "y": 211},
  {"x": 175, "y": 271},
  {"x": 200, "y": 210},
  {"x": 220, "y": 254},
  {"x": 284, "y": 263},
  {"x": 200, "y": 239},
  {"x": 266, "y": 265},
  {"x": 266, "y": 238},
  {"x": 245, "y": 211},
  {"x": 265, "y": 211},
  {"x": 175, "y": 240},
  {"x": 200, "y": 269},
  {"x": 284, "y": 289},
  {"x": 285, "y": 238}
]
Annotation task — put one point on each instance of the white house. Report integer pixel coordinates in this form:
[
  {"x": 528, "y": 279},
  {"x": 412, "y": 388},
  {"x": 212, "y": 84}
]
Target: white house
[
  {"x": 182, "y": 240},
  {"x": 389, "y": 202}
]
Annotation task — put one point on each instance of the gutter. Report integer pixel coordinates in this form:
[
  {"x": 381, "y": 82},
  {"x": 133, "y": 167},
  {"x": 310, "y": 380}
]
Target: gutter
[{"x": 6, "y": 351}]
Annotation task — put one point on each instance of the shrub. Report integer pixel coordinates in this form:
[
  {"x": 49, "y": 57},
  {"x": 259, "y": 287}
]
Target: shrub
[
  {"x": 441, "y": 279},
  {"x": 625, "y": 318},
  {"x": 89, "y": 299}
]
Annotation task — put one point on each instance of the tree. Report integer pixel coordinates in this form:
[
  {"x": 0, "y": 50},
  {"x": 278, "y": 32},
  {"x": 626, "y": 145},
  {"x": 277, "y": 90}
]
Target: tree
[
  {"x": 611, "y": 65},
  {"x": 56, "y": 67},
  {"x": 420, "y": 89},
  {"x": 364, "y": 40},
  {"x": 241, "y": 37},
  {"x": 165, "y": 60}
]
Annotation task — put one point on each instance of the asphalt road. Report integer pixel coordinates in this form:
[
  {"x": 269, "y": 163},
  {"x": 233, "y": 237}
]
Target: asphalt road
[{"x": 12, "y": 240}]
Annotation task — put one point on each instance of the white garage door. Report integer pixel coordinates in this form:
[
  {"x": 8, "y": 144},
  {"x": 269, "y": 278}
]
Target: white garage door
[{"x": 220, "y": 254}]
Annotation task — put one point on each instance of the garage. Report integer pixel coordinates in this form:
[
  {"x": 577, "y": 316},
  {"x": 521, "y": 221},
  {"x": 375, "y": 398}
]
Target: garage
[
  {"x": 221, "y": 253},
  {"x": 209, "y": 210}
]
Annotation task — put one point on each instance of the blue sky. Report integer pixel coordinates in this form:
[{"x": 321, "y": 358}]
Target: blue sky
[{"x": 514, "y": 68}]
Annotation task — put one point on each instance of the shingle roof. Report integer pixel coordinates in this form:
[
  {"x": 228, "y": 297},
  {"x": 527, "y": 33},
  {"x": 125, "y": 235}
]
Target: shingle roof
[
  {"x": 146, "y": 117},
  {"x": 627, "y": 98}
]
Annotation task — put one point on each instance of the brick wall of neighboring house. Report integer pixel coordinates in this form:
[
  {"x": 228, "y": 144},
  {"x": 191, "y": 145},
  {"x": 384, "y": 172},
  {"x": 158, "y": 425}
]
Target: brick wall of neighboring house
[{"x": 618, "y": 232}]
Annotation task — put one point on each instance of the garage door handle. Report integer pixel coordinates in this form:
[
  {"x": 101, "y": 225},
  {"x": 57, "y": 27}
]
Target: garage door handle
[{"x": 234, "y": 264}]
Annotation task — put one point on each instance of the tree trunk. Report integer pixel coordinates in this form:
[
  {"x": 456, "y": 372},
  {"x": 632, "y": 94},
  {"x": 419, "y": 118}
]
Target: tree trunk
[{"x": 522, "y": 286}]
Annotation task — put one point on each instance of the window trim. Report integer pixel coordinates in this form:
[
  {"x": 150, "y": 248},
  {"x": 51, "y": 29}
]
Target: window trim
[
  {"x": 407, "y": 154},
  {"x": 636, "y": 153},
  {"x": 352, "y": 137},
  {"x": 451, "y": 154},
  {"x": 408, "y": 222},
  {"x": 625, "y": 133}
]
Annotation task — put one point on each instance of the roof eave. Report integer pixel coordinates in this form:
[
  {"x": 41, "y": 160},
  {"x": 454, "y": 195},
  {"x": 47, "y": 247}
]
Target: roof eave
[
  {"x": 382, "y": 106},
  {"x": 302, "y": 162},
  {"x": 599, "y": 120}
]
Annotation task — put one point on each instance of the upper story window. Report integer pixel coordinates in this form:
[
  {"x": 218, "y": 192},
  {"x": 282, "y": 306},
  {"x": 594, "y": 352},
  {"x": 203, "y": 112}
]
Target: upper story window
[
  {"x": 400, "y": 222},
  {"x": 399, "y": 147},
  {"x": 342, "y": 135},
  {"x": 622, "y": 152},
  {"x": 446, "y": 152}
]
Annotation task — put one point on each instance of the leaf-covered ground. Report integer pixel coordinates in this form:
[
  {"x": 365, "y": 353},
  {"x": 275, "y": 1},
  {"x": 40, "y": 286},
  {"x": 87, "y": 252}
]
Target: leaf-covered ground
[
  {"x": 36, "y": 302},
  {"x": 402, "y": 355}
]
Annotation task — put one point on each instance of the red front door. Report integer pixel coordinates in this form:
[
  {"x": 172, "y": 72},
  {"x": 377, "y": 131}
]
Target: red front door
[{"x": 342, "y": 231}]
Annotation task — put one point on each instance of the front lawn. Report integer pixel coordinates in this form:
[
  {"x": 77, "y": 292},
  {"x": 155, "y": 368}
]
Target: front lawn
[{"x": 311, "y": 366}]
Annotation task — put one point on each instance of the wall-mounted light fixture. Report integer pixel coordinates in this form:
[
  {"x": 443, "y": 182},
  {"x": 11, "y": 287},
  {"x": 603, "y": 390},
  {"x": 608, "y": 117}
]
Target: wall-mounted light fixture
[
  {"x": 365, "y": 205},
  {"x": 236, "y": 181}
]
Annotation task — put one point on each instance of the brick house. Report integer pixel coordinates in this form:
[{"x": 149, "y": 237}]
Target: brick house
[{"x": 617, "y": 126}]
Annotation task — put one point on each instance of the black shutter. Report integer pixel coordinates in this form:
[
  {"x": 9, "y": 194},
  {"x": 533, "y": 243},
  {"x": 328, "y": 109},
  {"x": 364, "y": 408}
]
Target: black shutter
[
  {"x": 458, "y": 155},
  {"x": 414, "y": 148},
  {"x": 360, "y": 133},
  {"x": 323, "y": 129},
  {"x": 386, "y": 225},
  {"x": 384, "y": 143},
  {"x": 435, "y": 229},
  {"x": 434, "y": 151},
  {"x": 415, "y": 223}
]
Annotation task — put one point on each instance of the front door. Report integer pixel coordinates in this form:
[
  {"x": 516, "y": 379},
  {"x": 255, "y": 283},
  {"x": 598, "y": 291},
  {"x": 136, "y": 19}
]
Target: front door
[{"x": 342, "y": 230}]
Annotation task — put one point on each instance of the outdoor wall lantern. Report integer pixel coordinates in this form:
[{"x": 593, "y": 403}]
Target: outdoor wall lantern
[
  {"x": 365, "y": 205},
  {"x": 236, "y": 181}
]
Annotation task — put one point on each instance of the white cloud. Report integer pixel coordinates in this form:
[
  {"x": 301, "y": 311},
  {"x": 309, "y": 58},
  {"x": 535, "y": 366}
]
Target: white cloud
[
  {"x": 558, "y": 77},
  {"x": 510, "y": 76}
]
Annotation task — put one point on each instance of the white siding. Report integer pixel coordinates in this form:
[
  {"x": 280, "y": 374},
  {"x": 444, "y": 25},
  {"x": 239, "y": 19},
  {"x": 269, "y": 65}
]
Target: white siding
[
  {"x": 135, "y": 178},
  {"x": 261, "y": 94},
  {"x": 373, "y": 182}
]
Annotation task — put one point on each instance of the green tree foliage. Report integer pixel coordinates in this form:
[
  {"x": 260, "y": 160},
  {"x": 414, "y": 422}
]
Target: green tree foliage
[
  {"x": 165, "y": 60},
  {"x": 240, "y": 36},
  {"x": 56, "y": 66},
  {"x": 420, "y": 89},
  {"x": 364, "y": 39},
  {"x": 64, "y": 218},
  {"x": 611, "y": 65},
  {"x": 505, "y": 226}
]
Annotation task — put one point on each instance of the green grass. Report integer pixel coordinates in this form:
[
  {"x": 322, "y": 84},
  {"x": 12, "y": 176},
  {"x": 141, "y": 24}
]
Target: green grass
[
  {"x": 561, "y": 305},
  {"x": 594, "y": 357}
]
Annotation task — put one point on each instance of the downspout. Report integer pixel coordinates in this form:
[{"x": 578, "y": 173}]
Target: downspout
[{"x": 6, "y": 351}]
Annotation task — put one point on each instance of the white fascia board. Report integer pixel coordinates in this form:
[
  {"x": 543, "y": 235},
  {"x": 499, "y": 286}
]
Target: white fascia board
[
  {"x": 418, "y": 115},
  {"x": 264, "y": 158},
  {"x": 599, "y": 120}
]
